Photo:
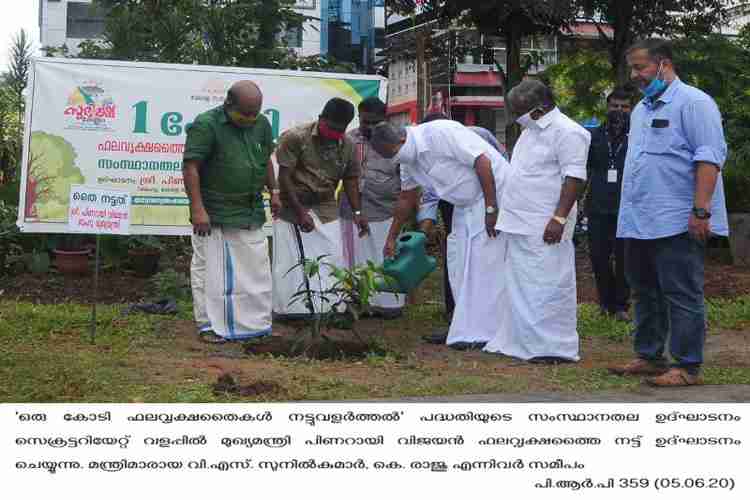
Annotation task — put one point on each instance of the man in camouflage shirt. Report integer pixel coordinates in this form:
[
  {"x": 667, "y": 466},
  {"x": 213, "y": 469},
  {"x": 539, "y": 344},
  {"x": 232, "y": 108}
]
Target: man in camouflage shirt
[{"x": 313, "y": 158}]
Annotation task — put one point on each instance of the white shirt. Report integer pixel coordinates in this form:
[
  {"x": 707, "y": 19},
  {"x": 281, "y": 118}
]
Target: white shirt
[
  {"x": 554, "y": 148},
  {"x": 440, "y": 156}
]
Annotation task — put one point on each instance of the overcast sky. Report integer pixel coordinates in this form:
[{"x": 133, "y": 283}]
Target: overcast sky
[{"x": 14, "y": 15}]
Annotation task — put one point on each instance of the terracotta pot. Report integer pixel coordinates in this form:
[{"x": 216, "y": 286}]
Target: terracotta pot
[
  {"x": 74, "y": 262},
  {"x": 145, "y": 261},
  {"x": 739, "y": 238}
]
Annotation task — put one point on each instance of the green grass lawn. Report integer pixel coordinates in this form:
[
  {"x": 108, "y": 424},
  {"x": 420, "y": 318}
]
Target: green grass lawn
[{"x": 47, "y": 355}]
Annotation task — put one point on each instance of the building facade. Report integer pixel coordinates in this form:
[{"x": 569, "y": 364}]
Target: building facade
[
  {"x": 68, "y": 23},
  {"x": 350, "y": 30}
]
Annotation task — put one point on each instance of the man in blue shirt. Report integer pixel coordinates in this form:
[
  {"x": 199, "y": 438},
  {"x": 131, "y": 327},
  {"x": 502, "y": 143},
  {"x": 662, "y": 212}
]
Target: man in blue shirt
[{"x": 672, "y": 202}]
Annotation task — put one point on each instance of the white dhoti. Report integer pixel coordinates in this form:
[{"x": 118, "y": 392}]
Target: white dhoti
[
  {"x": 539, "y": 309},
  {"x": 357, "y": 251},
  {"x": 230, "y": 276},
  {"x": 325, "y": 239},
  {"x": 476, "y": 272}
]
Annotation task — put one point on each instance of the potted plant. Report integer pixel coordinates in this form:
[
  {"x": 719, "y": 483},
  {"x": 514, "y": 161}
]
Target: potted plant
[
  {"x": 737, "y": 191},
  {"x": 71, "y": 254},
  {"x": 144, "y": 252}
]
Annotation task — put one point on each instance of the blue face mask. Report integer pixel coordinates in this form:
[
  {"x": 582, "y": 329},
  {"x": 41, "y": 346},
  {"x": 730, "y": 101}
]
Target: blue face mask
[{"x": 656, "y": 87}]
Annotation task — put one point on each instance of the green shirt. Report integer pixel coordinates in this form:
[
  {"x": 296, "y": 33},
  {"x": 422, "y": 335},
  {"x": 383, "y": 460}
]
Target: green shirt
[{"x": 233, "y": 167}]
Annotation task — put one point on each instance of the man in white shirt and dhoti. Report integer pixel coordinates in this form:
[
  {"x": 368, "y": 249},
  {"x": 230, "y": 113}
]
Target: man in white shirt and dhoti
[
  {"x": 458, "y": 166},
  {"x": 537, "y": 218}
]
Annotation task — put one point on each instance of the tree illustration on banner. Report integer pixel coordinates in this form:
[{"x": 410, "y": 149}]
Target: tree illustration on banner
[{"x": 52, "y": 170}]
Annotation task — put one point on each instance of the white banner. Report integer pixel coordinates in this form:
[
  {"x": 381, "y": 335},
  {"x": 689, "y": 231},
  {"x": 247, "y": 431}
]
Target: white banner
[
  {"x": 121, "y": 125},
  {"x": 98, "y": 211}
]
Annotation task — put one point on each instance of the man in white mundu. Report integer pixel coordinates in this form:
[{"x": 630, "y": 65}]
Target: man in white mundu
[
  {"x": 226, "y": 166},
  {"x": 537, "y": 219},
  {"x": 461, "y": 168}
]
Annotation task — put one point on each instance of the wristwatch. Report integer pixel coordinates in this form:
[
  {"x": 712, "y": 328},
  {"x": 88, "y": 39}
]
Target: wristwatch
[
  {"x": 358, "y": 212},
  {"x": 701, "y": 213},
  {"x": 490, "y": 210},
  {"x": 560, "y": 220}
]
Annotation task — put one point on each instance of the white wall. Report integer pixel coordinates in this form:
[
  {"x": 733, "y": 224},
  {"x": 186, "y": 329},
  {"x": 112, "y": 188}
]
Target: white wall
[
  {"x": 53, "y": 31},
  {"x": 402, "y": 82},
  {"x": 310, "y": 33}
]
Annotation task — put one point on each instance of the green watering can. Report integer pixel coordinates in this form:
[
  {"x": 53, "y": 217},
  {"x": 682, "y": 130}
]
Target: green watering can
[{"x": 410, "y": 266}]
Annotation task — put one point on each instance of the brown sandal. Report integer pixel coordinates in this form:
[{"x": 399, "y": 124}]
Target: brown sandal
[{"x": 675, "y": 377}]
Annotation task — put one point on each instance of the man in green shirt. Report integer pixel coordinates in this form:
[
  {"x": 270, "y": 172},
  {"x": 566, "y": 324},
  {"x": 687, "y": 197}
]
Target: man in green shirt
[
  {"x": 226, "y": 166},
  {"x": 313, "y": 158}
]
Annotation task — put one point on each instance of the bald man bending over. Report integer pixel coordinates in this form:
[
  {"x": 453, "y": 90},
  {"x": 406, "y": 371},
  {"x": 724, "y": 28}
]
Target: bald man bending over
[{"x": 226, "y": 166}]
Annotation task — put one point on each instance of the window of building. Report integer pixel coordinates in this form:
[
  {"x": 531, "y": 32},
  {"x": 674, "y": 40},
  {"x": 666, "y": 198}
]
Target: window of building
[
  {"x": 292, "y": 37},
  {"x": 85, "y": 20}
]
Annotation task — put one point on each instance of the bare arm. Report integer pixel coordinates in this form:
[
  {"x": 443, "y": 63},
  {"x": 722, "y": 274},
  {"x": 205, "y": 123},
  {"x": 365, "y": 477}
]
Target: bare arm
[
  {"x": 351, "y": 188},
  {"x": 271, "y": 177},
  {"x": 568, "y": 196},
  {"x": 706, "y": 176},
  {"x": 483, "y": 167},
  {"x": 571, "y": 189},
  {"x": 407, "y": 204},
  {"x": 285, "y": 182},
  {"x": 198, "y": 215}
]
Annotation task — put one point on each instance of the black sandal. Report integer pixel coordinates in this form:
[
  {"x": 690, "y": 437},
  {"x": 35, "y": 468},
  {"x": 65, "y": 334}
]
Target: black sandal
[{"x": 210, "y": 337}]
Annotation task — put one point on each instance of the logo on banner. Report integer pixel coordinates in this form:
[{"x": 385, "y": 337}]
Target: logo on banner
[
  {"x": 90, "y": 107},
  {"x": 214, "y": 90}
]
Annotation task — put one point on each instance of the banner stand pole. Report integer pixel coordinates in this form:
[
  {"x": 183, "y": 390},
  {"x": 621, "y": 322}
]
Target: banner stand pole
[{"x": 96, "y": 292}]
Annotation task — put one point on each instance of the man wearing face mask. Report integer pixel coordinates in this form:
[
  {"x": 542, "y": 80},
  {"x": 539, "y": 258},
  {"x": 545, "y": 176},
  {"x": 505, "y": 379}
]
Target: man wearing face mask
[
  {"x": 226, "y": 165},
  {"x": 379, "y": 186},
  {"x": 672, "y": 201},
  {"x": 450, "y": 160},
  {"x": 609, "y": 144},
  {"x": 313, "y": 158},
  {"x": 537, "y": 219}
]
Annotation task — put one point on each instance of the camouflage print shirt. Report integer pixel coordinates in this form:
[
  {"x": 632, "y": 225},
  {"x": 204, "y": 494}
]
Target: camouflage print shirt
[
  {"x": 379, "y": 182},
  {"x": 316, "y": 169}
]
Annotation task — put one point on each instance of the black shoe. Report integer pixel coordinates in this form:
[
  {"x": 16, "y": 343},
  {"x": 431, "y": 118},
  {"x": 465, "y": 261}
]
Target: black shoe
[
  {"x": 210, "y": 337},
  {"x": 467, "y": 346},
  {"x": 549, "y": 360},
  {"x": 437, "y": 338},
  {"x": 388, "y": 313}
]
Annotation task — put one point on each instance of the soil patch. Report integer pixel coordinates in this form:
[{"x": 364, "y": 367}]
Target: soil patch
[
  {"x": 335, "y": 344},
  {"x": 226, "y": 384}
]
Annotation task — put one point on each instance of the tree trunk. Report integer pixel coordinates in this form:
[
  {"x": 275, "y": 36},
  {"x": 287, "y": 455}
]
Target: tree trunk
[
  {"x": 420, "y": 75},
  {"x": 513, "y": 78}
]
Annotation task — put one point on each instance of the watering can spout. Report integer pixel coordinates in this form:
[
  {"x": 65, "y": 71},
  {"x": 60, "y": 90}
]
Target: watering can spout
[{"x": 410, "y": 266}]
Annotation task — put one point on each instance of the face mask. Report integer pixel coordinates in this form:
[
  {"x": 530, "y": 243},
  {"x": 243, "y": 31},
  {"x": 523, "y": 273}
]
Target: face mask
[
  {"x": 526, "y": 121},
  {"x": 239, "y": 119},
  {"x": 618, "y": 123},
  {"x": 328, "y": 133},
  {"x": 656, "y": 86}
]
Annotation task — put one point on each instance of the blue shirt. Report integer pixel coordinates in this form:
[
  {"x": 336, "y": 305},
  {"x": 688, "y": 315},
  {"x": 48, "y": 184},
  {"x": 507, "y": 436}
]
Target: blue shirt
[{"x": 667, "y": 138}]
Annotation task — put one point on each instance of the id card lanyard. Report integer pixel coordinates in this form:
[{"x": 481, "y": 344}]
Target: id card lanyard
[{"x": 612, "y": 170}]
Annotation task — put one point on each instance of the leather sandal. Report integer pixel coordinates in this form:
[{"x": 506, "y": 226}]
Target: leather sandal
[
  {"x": 639, "y": 367},
  {"x": 675, "y": 377}
]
